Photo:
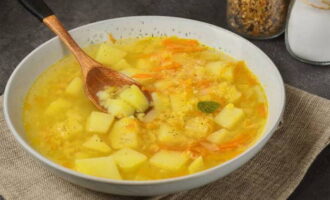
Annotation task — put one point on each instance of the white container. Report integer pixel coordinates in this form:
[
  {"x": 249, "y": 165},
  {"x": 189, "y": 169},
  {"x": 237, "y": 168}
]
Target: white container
[
  {"x": 307, "y": 34},
  {"x": 49, "y": 52}
]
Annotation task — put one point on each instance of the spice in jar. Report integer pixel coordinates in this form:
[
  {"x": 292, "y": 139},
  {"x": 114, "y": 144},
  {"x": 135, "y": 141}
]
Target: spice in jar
[{"x": 258, "y": 19}]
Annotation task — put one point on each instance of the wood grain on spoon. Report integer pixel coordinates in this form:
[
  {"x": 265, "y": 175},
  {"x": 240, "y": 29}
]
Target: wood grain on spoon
[{"x": 96, "y": 76}]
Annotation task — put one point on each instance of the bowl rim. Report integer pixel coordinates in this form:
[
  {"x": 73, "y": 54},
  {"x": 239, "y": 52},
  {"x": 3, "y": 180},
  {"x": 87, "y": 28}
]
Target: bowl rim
[{"x": 264, "y": 138}]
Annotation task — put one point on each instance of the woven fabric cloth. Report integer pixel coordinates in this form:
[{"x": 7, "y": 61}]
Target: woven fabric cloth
[{"x": 272, "y": 174}]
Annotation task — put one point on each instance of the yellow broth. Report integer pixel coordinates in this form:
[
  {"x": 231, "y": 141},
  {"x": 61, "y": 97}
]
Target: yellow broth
[{"x": 177, "y": 137}]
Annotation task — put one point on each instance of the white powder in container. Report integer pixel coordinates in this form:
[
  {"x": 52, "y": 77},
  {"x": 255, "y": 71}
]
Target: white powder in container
[{"x": 308, "y": 32}]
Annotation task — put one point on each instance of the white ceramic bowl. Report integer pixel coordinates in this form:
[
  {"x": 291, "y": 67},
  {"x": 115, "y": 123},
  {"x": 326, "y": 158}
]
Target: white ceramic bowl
[{"x": 51, "y": 51}]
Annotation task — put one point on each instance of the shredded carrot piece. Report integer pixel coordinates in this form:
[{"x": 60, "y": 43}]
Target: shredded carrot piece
[
  {"x": 252, "y": 80},
  {"x": 204, "y": 83},
  {"x": 182, "y": 49},
  {"x": 132, "y": 125},
  {"x": 241, "y": 71},
  {"x": 111, "y": 38},
  {"x": 182, "y": 45},
  {"x": 143, "y": 76},
  {"x": 262, "y": 110},
  {"x": 189, "y": 50},
  {"x": 210, "y": 146},
  {"x": 218, "y": 99},
  {"x": 241, "y": 63},
  {"x": 249, "y": 124},
  {"x": 171, "y": 66},
  {"x": 150, "y": 125},
  {"x": 240, "y": 140},
  {"x": 198, "y": 150},
  {"x": 172, "y": 148},
  {"x": 177, "y": 41}
]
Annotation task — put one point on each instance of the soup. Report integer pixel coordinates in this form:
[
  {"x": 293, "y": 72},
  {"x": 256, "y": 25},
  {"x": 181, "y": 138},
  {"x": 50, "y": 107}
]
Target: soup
[{"x": 206, "y": 109}]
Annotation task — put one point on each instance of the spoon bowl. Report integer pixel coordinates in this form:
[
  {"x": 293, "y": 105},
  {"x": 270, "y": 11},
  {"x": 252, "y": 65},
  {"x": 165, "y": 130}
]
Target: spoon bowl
[{"x": 96, "y": 76}]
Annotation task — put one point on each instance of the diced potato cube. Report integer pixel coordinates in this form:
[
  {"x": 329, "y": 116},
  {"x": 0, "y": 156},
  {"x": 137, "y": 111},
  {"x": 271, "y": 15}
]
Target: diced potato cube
[
  {"x": 80, "y": 155},
  {"x": 128, "y": 159},
  {"x": 135, "y": 45},
  {"x": 106, "y": 94},
  {"x": 161, "y": 102},
  {"x": 57, "y": 106},
  {"x": 225, "y": 57},
  {"x": 229, "y": 92},
  {"x": 233, "y": 94},
  {"x": 197, "y": 127},
  {"x": 99, "y": 122},
  {"x": 104, "y": 167},
  {"x": 68, "y": 128},
  {"x": 169, "y": 160},
  {"x": 218, "y": 137},
  {"x": 144, "y": 64},
  {"x": 147, "y": 117},
  {"x": 96, "y": 143},
  {"x": 170, "y": 136},
  {"x": 163, "y": 84},
  {"x": 210, "y": 55},
  {"x": 135, "y": 97},
  {"x": 260, "y": 94},
  {"x": 122, "y": 64},
  {"x": 103, "y": 95},
  {"x": 180, "y": 103},
  {"x": 125, "y": 133},
  {"x": 229, "y": 116},
  {"x": 75, "y": 87},
  {"x": 75, "y": 114},
  {"x": 196, "y": 165},
  {"x": 216, "y": 67},
  {"x": 119, "y": 108},
  {"x": 228, "y": 73},
  {"x": 221, "y": 69},
  {"x": 109, "y": 55},
  {"x": 223, "y": 88}
]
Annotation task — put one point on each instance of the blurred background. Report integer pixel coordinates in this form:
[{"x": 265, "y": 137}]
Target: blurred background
[{"x": 20, "y": 34}]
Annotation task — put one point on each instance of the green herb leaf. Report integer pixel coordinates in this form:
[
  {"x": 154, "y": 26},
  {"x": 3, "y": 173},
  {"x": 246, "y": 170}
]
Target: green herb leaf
[{"x": 208, "y": 106}]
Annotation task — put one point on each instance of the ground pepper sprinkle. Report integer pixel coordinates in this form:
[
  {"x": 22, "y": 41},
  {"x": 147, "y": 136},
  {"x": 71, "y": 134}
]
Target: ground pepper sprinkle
[{"x": 257, "y": 19}]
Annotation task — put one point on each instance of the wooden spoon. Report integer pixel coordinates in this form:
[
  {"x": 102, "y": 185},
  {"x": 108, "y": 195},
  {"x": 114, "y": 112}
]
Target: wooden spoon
[{"x": 96, "y": 76}]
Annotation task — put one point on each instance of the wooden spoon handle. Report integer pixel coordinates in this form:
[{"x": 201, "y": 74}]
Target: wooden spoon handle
[
  {"x": 39, "y": 9},
  {"x": 56, "y": 26}
]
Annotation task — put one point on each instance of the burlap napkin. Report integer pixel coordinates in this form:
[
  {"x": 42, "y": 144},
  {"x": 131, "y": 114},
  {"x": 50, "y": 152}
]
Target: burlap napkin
[{"x": 273, "y": 174}]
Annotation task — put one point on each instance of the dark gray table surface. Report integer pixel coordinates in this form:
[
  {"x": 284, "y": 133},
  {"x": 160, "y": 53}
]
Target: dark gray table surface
[{"x": 20, "y": 33}]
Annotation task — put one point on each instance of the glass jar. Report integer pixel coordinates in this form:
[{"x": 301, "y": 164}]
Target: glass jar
[
  {"x": 257, "y": 19},
  {"x": 307, "y": 35}
]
